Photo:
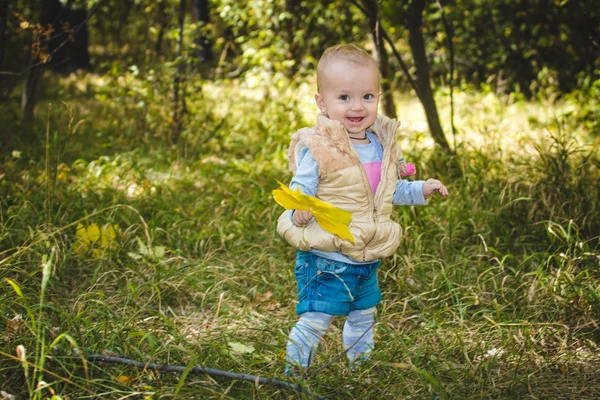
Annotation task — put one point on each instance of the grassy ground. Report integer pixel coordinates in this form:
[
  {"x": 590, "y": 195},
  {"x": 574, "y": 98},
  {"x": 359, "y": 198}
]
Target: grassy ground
[{"x": 494, "y": 292}]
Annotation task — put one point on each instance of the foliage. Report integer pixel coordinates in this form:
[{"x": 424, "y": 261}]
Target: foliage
[
  {"x": 511, "y": 43},
  {"x": 494, "y": 292},
  {"x": 112, "y": 241},
  {"x": 587, "y": 96},
  {"x": 269, "y": 38},
  {"x": 514, "y": 45}
]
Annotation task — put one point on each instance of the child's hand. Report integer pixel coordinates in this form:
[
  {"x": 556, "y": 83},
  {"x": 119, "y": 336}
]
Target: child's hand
[
  {"x": 433, "y": 185},
  {"x": 301, "y": 217}
]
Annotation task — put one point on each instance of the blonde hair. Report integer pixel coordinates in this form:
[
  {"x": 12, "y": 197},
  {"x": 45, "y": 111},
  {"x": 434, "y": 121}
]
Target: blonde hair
[{"x": 346, "y": 51}]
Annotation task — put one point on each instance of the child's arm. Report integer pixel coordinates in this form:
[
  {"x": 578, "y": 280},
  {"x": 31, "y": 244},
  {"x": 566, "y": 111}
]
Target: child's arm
[
  {"x": 416, "y": 193},
  {"x": 307, "y": 179},
  {"x": 409, "y": 193}
]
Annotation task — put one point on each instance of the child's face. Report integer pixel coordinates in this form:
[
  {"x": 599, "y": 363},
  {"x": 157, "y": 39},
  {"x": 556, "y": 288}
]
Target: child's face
[{"x": 350, "y": 94}]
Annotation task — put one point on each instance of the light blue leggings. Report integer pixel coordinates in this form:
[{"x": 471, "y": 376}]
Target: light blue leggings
[{"x": 307, "y": 333}]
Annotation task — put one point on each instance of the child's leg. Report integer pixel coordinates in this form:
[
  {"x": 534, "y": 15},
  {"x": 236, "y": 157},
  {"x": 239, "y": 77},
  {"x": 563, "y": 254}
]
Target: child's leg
[
  {"x": 304, "y": 339},
  {"x": 359, "y": 322}
]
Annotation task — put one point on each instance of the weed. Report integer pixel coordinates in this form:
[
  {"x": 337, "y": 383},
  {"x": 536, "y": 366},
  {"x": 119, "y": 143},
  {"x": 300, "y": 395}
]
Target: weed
[{"x": 494, "y": 292}]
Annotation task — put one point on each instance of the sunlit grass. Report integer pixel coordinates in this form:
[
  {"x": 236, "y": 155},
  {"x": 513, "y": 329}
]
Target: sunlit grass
[{"x": 494, "y": 292}]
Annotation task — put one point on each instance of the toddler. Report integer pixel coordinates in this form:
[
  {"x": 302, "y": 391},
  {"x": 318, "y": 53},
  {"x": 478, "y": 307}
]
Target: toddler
[{"x": 349, "y": 158}]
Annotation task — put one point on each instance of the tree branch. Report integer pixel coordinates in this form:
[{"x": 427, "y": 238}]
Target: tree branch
[
  {"x": 98, "y": 358},
  {"x": 403, "y": 65},
  {"x": 76, "y": 29},
  {"x": 387, "y": 38}
]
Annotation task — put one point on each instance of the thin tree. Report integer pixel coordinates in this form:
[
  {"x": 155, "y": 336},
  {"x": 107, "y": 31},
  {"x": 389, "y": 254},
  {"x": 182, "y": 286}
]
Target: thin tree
[
  {"x": 201, "y": 13},
  {"x": 3, "y": 24},
  {"x": 163, "y": 21},
  {"x": 50, "y": 11},
  {"x": 60, "y": 42},
  {"x": 371, "y": 10},
  {"x": 449, "y": 37},
  {"x": 177, "y": 97},
  {"x": 127, "y": 7},
  {"x": 423, "y": 82},
  {"x": 289, "y": 25}
]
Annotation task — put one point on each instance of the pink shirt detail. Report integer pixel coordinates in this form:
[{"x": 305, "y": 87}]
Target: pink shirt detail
[{"x": 373, "y": 171}]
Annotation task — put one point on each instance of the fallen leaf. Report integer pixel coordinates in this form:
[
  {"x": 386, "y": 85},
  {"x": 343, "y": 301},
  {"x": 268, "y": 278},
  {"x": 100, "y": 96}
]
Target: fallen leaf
[
  {"x": 563, "y": 370},
  {"x": 404, "y": 366},
  {"x": 96, "y": 237},
  {"x": 281, "y": 355},
  {"x": 14, "y": 327},
  {"x": 273, "y": 305},
  {"x": 240, "y": 348},
  {"x": 7, "y": 396},
  {"x": 159, "y": 251},
  {"x": 125, "y": 380},
  {"x": 262, "y": 298}
]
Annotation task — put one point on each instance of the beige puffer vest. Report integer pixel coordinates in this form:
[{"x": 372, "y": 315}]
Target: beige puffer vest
[{"x": 344, "y": 183}]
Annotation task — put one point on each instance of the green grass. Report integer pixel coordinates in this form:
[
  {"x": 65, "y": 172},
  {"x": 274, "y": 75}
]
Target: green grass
[{"x": 494, "y": 292}]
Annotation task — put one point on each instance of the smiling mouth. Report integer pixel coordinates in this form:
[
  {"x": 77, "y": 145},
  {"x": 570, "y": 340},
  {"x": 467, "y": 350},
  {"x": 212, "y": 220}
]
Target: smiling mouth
[{"x": 355, "y": 119}]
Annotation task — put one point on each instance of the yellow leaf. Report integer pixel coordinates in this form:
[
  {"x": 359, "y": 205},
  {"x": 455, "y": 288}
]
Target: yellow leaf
[
  {"x": 102, "y": 238},
  {"x": 111, "y": 230},
  {"x": 82, "y": 234},
  {"x": 281, "y": 354},
  {"x": 109, "y": 233},
  {"x": 93, "y": 233},
  {"x": 331, "y": 218},
  {"x": 288, "y": 199},
  {"x": 80, "y": 248},
  {"x": 125, "y": 380},
  {"x": 83, "y": 242}
]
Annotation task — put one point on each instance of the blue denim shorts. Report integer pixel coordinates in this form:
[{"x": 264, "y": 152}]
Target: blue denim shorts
[{"x": 334, "y": 287}]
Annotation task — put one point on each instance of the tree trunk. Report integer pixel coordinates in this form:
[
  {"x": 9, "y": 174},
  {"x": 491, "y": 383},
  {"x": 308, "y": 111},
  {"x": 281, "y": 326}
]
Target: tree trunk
[
  {"x": 3, "y": 18},
  {"x": 67, "y": 43},
  {"x": 29, "y": 91},
  {"x": 49, "y": 13},
  {"x": 128, "y": 4},
  {"x": 425, "y": 93},
  {"x": 177, "y": 108},
  {"x": 163, "y": 20},
  {"x": 201, "y": 13},
  {"x": 388, "y": 104},
  {"x": 288, "y": 31},
  {"x": 371, "y": 8}
]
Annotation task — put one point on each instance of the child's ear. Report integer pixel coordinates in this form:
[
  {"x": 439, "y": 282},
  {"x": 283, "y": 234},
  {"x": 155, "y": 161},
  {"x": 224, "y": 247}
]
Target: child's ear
[{"x": 320, "y": 102}]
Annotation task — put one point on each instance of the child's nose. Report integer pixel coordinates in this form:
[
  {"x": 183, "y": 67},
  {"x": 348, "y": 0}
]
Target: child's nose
[{"x": 357, "y": 105}]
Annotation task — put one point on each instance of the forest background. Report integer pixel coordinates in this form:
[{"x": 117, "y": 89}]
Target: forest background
[{"x": 140, "y": 141}]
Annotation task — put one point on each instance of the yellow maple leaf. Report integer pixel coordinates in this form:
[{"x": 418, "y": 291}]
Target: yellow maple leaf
[
  {"x": 331, "y": 218},
  {"x": 94, "y": 236},
  {"x": 109, "y": 233}
]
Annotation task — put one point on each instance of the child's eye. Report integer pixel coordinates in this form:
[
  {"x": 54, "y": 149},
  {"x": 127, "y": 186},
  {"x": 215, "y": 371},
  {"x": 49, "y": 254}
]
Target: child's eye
[
  {"x": 344, "y": 97},
  {"x": 368, "y": 96}
]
